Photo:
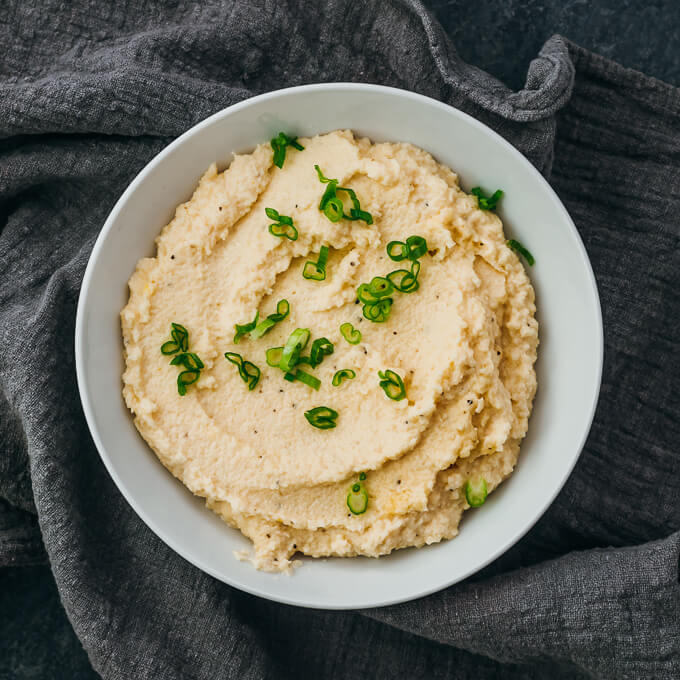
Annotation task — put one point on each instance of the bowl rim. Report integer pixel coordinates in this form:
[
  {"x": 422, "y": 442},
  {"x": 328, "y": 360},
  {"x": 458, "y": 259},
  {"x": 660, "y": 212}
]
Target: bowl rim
[{"x": 87, "y": 400}]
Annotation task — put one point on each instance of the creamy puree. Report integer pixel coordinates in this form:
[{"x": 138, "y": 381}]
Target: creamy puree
[{"x": 464, "y": 344}]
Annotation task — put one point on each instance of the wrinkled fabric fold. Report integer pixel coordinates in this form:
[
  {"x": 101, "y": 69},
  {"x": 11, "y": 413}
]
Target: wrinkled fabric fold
[{"x": 88, "y": 96}]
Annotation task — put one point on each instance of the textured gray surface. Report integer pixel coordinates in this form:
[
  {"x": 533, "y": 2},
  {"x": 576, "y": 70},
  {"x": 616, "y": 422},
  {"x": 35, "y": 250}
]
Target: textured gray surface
[
  {"x": 503, "y": 36},
  {"x": 502, "y": 41}
]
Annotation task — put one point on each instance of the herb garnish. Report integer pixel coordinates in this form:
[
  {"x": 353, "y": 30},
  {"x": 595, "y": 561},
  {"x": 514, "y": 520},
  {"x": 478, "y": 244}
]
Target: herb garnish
[
  {"x": 331, "y": 204},
  {"x": 351, "y": 334},
  {"x": 321, "y": 348},
  {"x": 343, "y": 374},
  {"x": 296, "y": 342},
  {"x": 279, "y": 144},
  {"x": 357, "y": 498},
  {"x": 322, "y": 417},
  {"x": 283, "y": 226},
  {"x": 374, "y": 295},
  {"x": 189, "y": 360},
  {"x": 317, "y": 270},
  {"x": 475, "y": 492},
  {"x": 282, "y": 309},
  {"x": 273, "y": 356},
  {"x": 392, "y": 385},
  {"x": 414, "y": 248},
  {"x": 405, "y": 281},
  {"x": 519, "y": 248},
  {"x": 248, "y": 371},
  {"x": 245, "y": 328},
  {"x": 257, "y": 330},
  {"x": 303, "y": 377},
  {"x": 486, "y": 202}
]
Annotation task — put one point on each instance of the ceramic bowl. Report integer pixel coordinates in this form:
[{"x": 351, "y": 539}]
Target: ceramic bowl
[{"x": 569, "y": 364}]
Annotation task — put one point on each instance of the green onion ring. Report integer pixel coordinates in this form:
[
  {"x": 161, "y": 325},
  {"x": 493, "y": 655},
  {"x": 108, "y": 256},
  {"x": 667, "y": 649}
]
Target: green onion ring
[{"x": 392, "y": 385}]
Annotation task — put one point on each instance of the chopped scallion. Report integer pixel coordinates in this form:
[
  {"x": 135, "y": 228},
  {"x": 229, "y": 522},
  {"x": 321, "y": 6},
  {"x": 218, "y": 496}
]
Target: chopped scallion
[
  {"x": 519, "y": 248},
  {"x": 249, "y": 372},
  {"x": 486, "y": 202},
  {"x": 343, "y": 374},
  {"x": 296, "y": 342},
  {"x": 279, "y": 145},
  {"x": 475, "y": 492},
  {"x": 351, "y": 334},
  {"x": 357, "y": 499},
  {"x": 322, "y": 417},
  {"x": 392, "y": 385}
]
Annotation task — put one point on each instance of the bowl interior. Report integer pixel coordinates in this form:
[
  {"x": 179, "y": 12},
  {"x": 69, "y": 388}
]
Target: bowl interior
[{"x": 570, "y": 331}]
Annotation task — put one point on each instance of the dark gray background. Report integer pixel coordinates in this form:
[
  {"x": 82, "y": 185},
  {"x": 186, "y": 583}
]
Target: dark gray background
[{"x": 500, "y": 36}]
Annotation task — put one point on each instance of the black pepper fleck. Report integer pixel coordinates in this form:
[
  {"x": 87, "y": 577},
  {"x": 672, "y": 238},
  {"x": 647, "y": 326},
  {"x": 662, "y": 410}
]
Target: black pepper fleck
[
  {"x": 399, "y": 481},
  {"x": 220, "y": 208},
  {"x": 268, "y": 535},
  {"x": 498, "y": 353},
  {"x": 352, "y": 264},
  {"x": 172, "y": 257},
  {"x": 469, "y": 401},
  {"x": 365, "y": 350},
  {"x": 394, "y": 332},
  {"x": 294, "y": 546}
]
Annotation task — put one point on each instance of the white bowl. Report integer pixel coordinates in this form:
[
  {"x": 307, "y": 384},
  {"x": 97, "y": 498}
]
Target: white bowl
[{"x": 570, "y": 330}]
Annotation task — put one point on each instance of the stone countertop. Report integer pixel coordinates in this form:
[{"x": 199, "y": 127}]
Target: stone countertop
[{"x": 499, "y": 36}]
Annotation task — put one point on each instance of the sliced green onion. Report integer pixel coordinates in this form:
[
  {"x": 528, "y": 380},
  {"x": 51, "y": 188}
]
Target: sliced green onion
[
  {"x": 273, "y": 356},
  {"x": 189, "y": 360},
  {"x": 392, "y": 385},
  {"x": 362, "y": 476},
  {"x": 283, "y": 226},
  {"x": 379, "y": 287},
  {"x": 486, "y": 202},
  {"x": 321, "y": 347},
  {"x": 475, "y": 492},
  {"x": 356, "y": 213},
  {"x": 317, "y": 270},
  {"x": 332, "y": 206},
  {"x": 397, "y": 251},
  {"x": 323, "y": 179},
  {"x": 378, "y": 312},
  {"x": 303, "y": 377},
  {"x": 312, "y": 271},
  {"x": 248, "y": 371},
  {"x": 282, "y": 309},
  {"x": 169, "y": 347},
  {"x": 245, "y": 328},
  {"x": 365, "y": 295},
  {"x": 279, "y": 145},
  {"x": 518, "y": 248},
  {"x": 357, "y": 499},
  {"x": 296, "y": 342},
  {"x": 406, "y": 281},
  {"x": 417, "y": 247},
  {"x": 333, "y": 209},
  {"x": 322, "y": 417},
  {"x": 343, "y": 374},
  {"x": 180, "y": 335},
  {"x": 284, "y": 231},
  {"x": 186, "y": 378},
  {"x": 350, "y": 334}
]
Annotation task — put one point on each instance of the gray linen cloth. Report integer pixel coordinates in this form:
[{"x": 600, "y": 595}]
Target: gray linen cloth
[{"x": 89, "y": 92}]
